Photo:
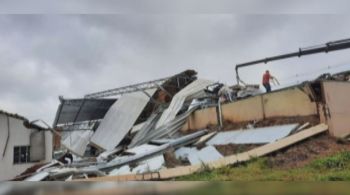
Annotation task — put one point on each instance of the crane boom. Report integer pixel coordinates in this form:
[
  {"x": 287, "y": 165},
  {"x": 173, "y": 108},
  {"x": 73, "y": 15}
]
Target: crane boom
[{"x": 328, "y": 47}]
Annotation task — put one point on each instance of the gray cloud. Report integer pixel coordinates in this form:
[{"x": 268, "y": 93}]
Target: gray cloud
[
  {"x": 43, "y": 56},
  {"x": 179, "y": 6}
]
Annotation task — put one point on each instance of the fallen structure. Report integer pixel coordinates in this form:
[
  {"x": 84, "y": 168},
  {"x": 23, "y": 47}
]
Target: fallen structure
[{"x": 158, "y": 133}]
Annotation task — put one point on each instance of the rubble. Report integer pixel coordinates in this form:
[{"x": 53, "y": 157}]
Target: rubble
[{"x": 141, "y": 134}]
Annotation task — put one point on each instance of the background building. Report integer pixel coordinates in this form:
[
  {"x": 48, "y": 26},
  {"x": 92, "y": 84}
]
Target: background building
[{"x": 21, "y": 145}]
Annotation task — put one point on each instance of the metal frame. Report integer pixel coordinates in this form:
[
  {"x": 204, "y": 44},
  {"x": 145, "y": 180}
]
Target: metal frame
[{"x": 137, "y": 87}]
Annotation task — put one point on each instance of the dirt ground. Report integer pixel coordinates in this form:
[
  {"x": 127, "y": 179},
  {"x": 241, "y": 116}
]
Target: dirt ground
[
  {"x": 296, "y": 155},
  {"x": 170, "y": 159},
  {"x": 304, "y": 152},
  {"x": 230, "y": 149}
]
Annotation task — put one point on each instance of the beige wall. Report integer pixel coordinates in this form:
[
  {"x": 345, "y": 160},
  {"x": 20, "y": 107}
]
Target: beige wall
[
  {"x": 19, "y": 136},
  {"x": 288, "y": 102},
  {"x": 337, "y": 98}
]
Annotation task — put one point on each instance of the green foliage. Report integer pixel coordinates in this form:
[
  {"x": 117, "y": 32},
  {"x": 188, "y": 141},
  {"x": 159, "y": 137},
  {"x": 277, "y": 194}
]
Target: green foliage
[
  {"x": 338, "y": 161},
  {"x": 332, "y": 168}
]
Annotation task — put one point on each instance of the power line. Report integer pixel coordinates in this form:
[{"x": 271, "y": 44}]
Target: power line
[{"x": 312, "y": 72}]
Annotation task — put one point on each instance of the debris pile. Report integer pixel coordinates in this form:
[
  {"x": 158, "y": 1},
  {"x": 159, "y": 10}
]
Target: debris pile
[{"x": 138, "y": 130}]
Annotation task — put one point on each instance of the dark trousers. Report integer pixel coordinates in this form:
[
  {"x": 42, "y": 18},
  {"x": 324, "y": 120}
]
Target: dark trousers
[{"x": 267, "y": 87}]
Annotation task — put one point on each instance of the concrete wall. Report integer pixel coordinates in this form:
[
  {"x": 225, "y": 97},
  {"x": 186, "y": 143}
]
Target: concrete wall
[
  {"x": 337, "y": 108},
  {"x": 284, "y": 103},
  {"x": 19, "y": 136}
]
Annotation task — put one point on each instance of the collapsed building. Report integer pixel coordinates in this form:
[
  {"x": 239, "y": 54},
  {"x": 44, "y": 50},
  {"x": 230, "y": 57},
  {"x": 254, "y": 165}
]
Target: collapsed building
[
  {"x": 159, "y": 141},
  {"x": 180, "y": 125}
]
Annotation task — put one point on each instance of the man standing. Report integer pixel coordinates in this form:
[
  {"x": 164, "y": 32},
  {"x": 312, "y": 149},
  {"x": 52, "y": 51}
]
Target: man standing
[{"x": 266, "y": 81}]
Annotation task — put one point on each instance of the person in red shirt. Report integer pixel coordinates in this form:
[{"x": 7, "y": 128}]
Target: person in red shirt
[{"x": 266, "y": 81}]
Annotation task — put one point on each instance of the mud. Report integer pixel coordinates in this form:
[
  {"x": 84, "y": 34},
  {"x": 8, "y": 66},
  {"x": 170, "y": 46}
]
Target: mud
[
  {"x": 230, "y": 149},
  {"x": 303, "y": 153}
]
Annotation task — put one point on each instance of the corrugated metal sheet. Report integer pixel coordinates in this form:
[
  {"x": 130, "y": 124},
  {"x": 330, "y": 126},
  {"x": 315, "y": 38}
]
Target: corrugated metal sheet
[
  {"x": 139, "y": 138},
  {"x": 255, "y": 136},
  {"x": 77, "y": 141},
  {"x": 164, "y": 131},
  {"x": 147, "y": 153},
  {"x": 142, "y": 149},
  {"x": 119, "y": 119},
  {"x": 190, "y": 91}
]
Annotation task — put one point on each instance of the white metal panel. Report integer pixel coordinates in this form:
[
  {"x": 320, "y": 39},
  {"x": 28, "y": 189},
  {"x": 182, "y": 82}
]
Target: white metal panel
[
  {"x": 77, "y": 141},
  {"x": 195, "y": 156},
  {"x": 142, "y": 149},
  {"x": 38, "y": 177},
  {"x": 150, "y": 165},
  {"x": 119, "y": 119},
  {"x": 252, "y": 136},
  {"x": 184, "y": 152},
  {"x": 189, "y": 91},
  {"x": 205, "y": 155},
  {"x": 120, "y": 171}
]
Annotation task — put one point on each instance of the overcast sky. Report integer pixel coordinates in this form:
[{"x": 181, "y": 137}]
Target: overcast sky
[{"x": 43, "y": 56}]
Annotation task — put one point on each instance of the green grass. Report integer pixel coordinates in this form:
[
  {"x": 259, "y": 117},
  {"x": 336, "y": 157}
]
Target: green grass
[{"x": 332, "y": 168}]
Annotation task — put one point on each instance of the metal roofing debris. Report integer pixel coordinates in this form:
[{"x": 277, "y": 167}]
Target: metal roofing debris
[
  {"x": 119, "y": 119},
  {"x": 150, "y": 165},
  {"x": 64, "y": 173},
  {"x": 77, "y": 141},
  {"x": 38, "y": 177},
  {"x": 137, "y": 127},
  {"x": 120, "y": 171},
  {"x": 160, "y": 141},
  {"x": 123, "y": 160},
  {"x": 255, "y": 136},
  {"x": 184, "y": 152},
  {"x": 302, "y": 127},
  {"x": 170, "y": 173},
  {"x": 195, "y": 156},
  {"x": 190, "y": 91},
  {"x": 187, "y": 139},
  {"x": 141, "y": 149},
  {"x": 51, "y": 164},
  {"x": 205, "y": 138},
  {"x": 205, "y": 155},
  {"x": 139, "y": 138},
  {"x": 147, "y": 151},
  {"x": 106, "y": 154},
  {"x": 77, "y": 110},
  {"x": 164, "y": 131}
]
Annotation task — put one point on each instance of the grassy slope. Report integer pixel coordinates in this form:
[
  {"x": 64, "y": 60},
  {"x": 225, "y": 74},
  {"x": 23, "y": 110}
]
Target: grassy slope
[{"x": 332, "y": 168}]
